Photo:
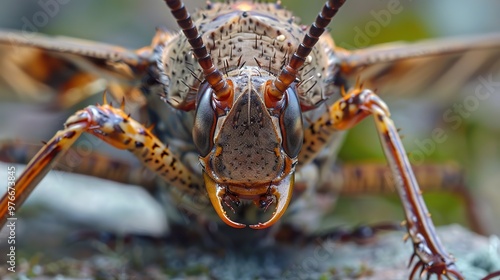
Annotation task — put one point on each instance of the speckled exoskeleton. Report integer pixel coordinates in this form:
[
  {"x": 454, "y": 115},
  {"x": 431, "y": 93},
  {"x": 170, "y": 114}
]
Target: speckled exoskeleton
[{"x": 251, "y": 99}]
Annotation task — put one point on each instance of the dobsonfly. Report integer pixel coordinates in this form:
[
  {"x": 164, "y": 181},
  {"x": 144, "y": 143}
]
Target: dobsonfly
[{"x": 256, "y": 90}]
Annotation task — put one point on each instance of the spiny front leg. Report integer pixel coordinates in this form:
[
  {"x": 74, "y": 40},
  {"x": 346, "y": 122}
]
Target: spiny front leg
[
  {"x": 116, "y": 128},
  {"x": 349, "y": 111},
  {"x": 91, "y": 163},
  {"x": 433, "y": 257}
]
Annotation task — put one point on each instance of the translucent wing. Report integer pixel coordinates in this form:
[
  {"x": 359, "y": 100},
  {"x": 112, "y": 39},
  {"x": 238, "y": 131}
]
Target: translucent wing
[
  {"x": 432, "y": 66},
  {"x": 62, "y": 71}
]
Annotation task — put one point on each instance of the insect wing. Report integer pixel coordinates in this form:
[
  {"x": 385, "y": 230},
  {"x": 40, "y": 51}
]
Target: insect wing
[
  {"x": 443, "y": 65},
  {"x": 64, "y": 71}
]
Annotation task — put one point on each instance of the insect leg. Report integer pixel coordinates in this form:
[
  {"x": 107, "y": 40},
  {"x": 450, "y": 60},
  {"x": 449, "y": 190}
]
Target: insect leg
[
  {"x": 349, "y": 111},
  {"x": 376, "y": 178},
  {"x": 362, "y": 178},
  {"x": 116, "y": 128},
  {"x": 92, "y": 163}
]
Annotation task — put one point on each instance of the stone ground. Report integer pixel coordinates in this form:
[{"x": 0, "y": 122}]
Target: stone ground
[
  {"x": 56, "y": 211},
  {"x": 384, "y": 259}
]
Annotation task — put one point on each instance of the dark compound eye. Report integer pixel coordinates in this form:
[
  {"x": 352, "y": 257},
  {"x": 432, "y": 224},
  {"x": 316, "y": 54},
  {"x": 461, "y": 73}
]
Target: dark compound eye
[
  {"x": 204, "y": 121},
  {"x": 291, "y": 124}
]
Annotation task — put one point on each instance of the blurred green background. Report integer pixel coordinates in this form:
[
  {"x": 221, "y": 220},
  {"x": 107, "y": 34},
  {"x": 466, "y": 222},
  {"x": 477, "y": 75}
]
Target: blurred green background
[{"x": 473, "y": 145}]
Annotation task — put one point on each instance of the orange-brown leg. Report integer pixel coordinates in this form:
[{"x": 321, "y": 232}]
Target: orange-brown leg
[
  {"x": 116, "y": 128},
  {"x": 362, "y": 178},
  {"x": 83, "y": 161},
  {"x": 346, "y": 113}
]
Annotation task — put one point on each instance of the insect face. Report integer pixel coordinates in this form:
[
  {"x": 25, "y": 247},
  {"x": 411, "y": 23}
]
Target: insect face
[
  {"x": 248, "y": 151},
  {"x": 248, "y": 122}
]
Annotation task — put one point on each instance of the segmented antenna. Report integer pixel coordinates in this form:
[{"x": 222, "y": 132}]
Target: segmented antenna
[
  {"x": 276, "y": 88},
  {"x": 223, "y": 90}
]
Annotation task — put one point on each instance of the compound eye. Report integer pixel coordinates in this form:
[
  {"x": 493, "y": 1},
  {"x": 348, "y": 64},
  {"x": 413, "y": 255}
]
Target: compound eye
[
  {"x": 291, "y": 124},
  {"x": 205, "y": 120}
]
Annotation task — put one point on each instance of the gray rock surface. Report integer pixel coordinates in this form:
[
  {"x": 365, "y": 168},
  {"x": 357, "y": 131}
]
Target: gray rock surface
[{"x": 57, "y": 210}]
